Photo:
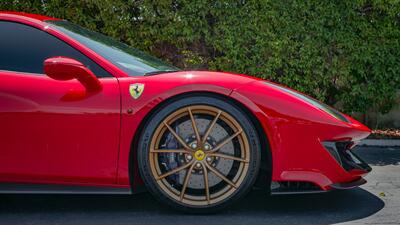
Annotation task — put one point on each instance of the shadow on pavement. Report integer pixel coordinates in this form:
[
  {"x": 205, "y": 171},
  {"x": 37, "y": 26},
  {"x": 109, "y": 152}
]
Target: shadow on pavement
[{"x": 256, "y": 208}]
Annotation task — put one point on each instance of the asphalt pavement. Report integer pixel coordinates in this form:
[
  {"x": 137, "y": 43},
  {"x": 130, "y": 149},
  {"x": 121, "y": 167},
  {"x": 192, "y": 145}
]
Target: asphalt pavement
[{"x": 377, "y": 202}]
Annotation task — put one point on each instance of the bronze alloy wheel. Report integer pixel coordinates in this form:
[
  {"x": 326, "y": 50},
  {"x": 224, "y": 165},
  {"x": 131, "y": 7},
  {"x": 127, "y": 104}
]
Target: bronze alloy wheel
[{"x": 199, "y": 153}]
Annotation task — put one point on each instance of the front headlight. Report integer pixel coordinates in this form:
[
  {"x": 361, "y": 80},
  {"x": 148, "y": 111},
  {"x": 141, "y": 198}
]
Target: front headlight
[{"x": 324, "y": 107}]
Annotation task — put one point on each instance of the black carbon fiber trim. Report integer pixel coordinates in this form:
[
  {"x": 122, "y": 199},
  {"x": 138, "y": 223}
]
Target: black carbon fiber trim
[
  {"x": 348, "y": 185},
  {"x": 11, "y": 188}
]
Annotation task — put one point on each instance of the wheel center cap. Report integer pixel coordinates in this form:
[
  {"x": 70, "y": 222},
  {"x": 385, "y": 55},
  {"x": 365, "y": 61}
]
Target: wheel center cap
[{"x": 199, "y": 155}]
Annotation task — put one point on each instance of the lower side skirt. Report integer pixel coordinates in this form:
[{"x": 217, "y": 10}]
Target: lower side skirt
[
  {"x": 9, "y": 188},
  {"x": 277, "y": 188}
]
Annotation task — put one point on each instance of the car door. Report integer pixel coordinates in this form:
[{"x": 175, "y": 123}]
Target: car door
[{"x": 53, "y": 131}]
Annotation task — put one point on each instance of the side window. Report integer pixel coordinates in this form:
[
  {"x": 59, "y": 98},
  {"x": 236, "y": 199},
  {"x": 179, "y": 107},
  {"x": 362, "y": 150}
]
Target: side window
[{"x": 24, "y": 49}]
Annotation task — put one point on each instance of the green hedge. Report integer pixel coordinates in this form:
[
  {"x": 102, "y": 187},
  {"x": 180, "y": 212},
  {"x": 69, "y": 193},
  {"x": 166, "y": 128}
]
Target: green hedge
[{"x": 345, "y": 53}]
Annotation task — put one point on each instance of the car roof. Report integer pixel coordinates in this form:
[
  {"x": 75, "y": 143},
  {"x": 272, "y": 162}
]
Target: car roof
[{"x": 27, "y": 15}]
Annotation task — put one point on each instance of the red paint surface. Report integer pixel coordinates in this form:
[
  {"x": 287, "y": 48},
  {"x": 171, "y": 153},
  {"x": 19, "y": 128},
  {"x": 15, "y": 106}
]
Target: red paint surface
[
  {"x": 58, "y": 132},
  {"x": 26, "y": 16},
  {"x": 54, "y": 131}
]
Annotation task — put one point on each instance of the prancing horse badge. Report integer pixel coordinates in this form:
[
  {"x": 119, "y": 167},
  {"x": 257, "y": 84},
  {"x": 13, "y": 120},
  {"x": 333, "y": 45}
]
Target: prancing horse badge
[{"x": 136, "y": 90}]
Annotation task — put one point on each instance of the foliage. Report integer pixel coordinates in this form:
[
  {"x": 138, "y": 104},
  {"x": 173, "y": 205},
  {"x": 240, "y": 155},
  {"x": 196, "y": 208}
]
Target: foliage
[{"x": 345, "y": 53}]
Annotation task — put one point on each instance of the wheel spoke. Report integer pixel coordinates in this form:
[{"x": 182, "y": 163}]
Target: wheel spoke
[
  {"x": 174, "y": 171},
  {"x": 169, "y": 151},
  {"x": 210, "y": 127},
  {"x": 216, "y": 172},
  {"x": 225, "y": 156},
  {"x": 224, "y": 142},
  {"x": 176, "y": 136},
  {"x": 185, "y": 183},
  {"x": 196, "y": 130},
  {"x": 205, "y": 174}
]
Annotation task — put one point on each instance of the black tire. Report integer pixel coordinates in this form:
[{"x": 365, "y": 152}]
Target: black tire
[{"x": 213, "y": 101}]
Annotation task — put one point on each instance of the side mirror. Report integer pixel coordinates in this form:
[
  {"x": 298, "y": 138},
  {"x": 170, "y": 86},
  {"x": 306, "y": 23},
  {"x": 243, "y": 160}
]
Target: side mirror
[{"x": 63, "y": 68}]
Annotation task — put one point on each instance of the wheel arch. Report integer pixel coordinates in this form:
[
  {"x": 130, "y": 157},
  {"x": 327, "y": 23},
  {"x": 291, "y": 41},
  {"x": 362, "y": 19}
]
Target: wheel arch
[{"x": 265, "y": 173}]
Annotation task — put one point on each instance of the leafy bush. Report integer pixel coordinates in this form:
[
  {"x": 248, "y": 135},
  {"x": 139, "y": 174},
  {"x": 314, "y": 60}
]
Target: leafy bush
[{"x": 345, "y": 53}]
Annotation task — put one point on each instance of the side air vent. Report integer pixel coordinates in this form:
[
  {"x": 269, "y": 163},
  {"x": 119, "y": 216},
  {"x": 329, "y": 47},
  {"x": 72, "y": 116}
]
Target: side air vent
[{"x": 344, "y": 156}]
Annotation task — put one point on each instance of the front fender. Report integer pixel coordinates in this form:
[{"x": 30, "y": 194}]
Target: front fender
[{"x": 157, "y": 89}]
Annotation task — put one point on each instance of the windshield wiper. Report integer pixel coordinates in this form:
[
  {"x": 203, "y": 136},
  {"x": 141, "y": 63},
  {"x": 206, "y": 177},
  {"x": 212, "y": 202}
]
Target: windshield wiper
[{"x": 160, "y": 72}]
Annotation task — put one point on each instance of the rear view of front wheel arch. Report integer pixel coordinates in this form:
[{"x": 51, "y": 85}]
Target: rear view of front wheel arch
[{"x": 199, "y": 154}]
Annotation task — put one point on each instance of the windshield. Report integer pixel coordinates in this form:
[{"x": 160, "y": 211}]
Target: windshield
[{"x": 128, "y": 59}]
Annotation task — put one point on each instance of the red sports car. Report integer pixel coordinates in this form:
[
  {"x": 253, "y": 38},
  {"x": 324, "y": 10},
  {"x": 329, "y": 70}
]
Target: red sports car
[{"x": 83, "y": 113}]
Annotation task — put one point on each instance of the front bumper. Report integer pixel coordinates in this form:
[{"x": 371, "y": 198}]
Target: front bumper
[
  {"x": 350, "y": 166},
  {"x": 296, "y": 132}
]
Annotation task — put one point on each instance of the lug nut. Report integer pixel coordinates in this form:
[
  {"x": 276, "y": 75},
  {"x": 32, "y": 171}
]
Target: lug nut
[
  {"x": 206, "y": 147},
  {"x": 208, "y": 159},
  {"x": 194, "y": 145},
  {"x": 189, "y": 157},
  {"x": 198, "y": 165}
]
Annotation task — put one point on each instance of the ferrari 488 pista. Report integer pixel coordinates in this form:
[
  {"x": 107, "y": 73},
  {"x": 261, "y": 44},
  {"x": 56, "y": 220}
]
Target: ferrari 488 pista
[{"x": 83, "y": 113}]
